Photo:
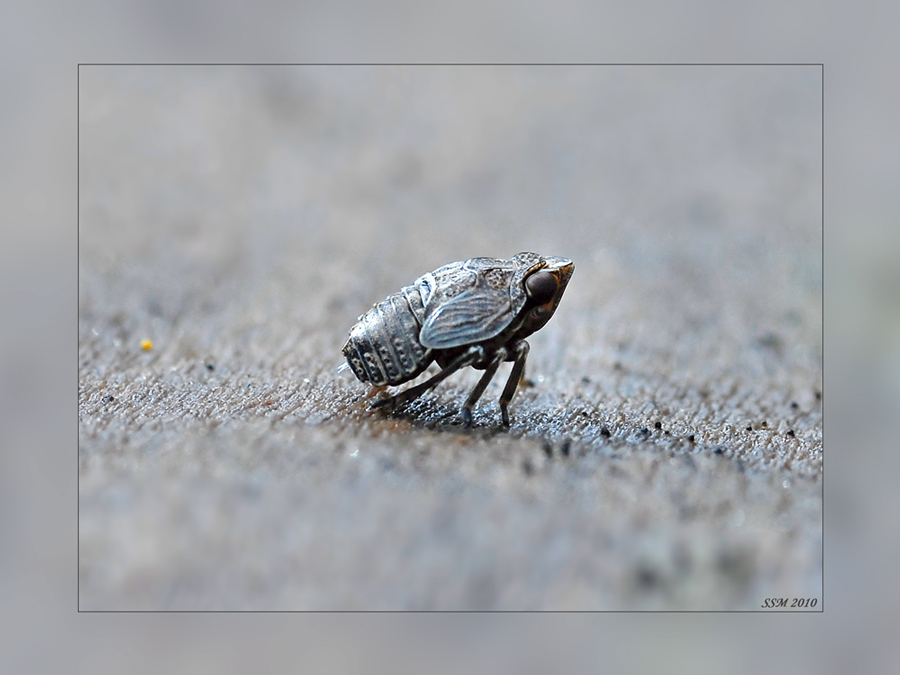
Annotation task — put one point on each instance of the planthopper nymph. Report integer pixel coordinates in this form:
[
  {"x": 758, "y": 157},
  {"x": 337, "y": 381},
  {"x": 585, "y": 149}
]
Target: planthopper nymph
[{"x": 472, "y": 313}]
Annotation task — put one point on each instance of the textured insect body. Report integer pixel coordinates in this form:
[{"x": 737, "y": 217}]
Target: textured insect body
[
  {"x": 471, "y": 313},
  {"x": 384, "y": 346}
]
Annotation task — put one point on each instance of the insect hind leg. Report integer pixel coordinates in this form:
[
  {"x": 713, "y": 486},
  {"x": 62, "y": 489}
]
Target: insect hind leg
[
  {"x": 520, "y": 351},
  {"x": 467, "y": 358}
]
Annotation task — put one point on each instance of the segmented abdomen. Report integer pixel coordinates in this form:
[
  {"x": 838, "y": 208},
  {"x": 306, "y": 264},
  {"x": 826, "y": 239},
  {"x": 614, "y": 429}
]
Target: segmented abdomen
[{"x": 384, "y": 345}]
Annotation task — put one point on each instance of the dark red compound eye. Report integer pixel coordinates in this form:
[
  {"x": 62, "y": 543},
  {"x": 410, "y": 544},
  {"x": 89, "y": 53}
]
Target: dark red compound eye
[{"x": 541, "y": 286}]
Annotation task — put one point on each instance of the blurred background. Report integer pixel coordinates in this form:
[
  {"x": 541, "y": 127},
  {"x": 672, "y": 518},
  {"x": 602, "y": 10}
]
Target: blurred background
[
  {"x": 240, "y": 218},
  {"x": 40, "y": 271}
]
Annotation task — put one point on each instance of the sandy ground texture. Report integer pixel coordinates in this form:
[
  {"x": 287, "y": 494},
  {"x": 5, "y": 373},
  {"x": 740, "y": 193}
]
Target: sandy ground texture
[{"x": 666, "y": 447}]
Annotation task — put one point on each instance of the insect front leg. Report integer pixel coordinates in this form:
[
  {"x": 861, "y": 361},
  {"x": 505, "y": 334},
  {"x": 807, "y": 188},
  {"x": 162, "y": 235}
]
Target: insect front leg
[
  {"x": 467, "y": 358},
  {"x": 520, "y": 351},
  {"x": 489, "y": 371}
]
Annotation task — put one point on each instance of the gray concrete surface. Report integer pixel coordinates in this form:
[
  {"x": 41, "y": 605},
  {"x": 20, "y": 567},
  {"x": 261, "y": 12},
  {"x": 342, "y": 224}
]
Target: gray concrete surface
[{"x": 668, "y": 454}]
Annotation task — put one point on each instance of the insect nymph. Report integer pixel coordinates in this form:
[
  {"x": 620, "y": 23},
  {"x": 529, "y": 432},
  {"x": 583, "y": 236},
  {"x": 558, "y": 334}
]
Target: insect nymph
[{"x": 472, "y": 313}]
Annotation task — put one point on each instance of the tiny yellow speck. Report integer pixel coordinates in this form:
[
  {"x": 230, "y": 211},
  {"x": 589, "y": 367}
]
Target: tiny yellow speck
[{"x": 146, "y": 345}]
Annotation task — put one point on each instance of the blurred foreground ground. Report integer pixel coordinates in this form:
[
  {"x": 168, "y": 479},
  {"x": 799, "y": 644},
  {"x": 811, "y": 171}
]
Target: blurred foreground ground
[{"x": 669, "y": 452}]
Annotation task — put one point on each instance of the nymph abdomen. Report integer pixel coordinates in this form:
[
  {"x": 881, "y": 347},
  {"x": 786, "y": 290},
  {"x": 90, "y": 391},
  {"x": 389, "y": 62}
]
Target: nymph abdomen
[{"x": 384, "y": 346}]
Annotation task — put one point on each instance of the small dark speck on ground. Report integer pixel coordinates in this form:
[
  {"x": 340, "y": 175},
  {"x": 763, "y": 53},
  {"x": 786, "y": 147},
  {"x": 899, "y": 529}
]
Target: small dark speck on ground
[
  {"x": 647, "y": 578},
  {"x": 527, "y": 467}
]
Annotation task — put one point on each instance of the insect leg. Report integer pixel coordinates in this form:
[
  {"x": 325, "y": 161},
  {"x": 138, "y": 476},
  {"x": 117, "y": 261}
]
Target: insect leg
[
  {"x": 521, "y": 353},
  {"x": 489, "y": 372},
  {"x": 467, "y": 358}
]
